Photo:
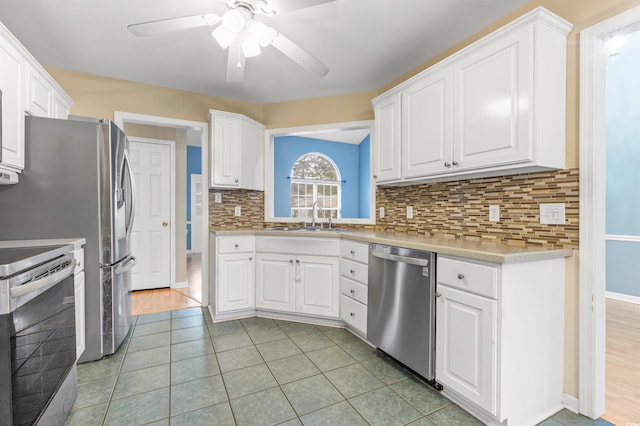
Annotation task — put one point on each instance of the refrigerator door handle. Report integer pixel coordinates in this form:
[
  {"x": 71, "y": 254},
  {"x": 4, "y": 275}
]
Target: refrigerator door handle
[
  {"x": 132, "y": 208},
  {"x": 126, "y": 265}
]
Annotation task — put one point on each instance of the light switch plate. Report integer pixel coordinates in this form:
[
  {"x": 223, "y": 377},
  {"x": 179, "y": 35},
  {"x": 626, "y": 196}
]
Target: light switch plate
[
  {"x": 494, "y": 213},
  {"x": 381, "y": 212},
  {"x": 217, "y": 197},
  {"x": 409, "y": 212},
  {"x": 238, "y": 211},
  {"x": 552, "y": 214}
]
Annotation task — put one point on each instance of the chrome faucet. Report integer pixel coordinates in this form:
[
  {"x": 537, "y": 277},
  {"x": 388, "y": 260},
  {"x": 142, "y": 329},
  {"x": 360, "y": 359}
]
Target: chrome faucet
[{"x": 313, "y": 214}]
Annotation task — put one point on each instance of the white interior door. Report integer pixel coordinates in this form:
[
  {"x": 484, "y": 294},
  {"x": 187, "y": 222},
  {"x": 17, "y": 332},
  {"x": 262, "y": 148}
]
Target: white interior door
[
  {"x": 197, "y": 200},
  {"x": 152, "y": 236}
]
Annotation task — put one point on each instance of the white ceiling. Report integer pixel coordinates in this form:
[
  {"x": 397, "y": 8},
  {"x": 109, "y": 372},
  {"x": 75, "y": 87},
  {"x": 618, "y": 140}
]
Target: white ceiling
[{"x": 365, "y": 43}]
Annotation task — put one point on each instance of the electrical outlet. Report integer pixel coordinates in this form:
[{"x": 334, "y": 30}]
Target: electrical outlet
[
  {"x": 494, "y": 213},
  {"x": 381, "y": 212},
  {"x": 552, "y": 214},
  {"x": 238, "y": 211},
  {"x": 409, "y": 212},
  {"x": 217, "y": 197}
]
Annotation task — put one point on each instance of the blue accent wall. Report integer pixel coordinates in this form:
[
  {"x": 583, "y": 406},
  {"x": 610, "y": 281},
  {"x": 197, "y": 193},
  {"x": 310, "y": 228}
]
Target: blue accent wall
[
  {"x": 288, "y": 149},
  {"x": 194, "y": 166},
  {"x": 623, "y": 171}
]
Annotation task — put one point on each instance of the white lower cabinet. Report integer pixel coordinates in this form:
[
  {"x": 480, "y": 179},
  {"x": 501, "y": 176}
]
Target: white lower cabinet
[
  {"x": 500, "y": 338},
  {"x": 317, "y": 286},
  {"x": 236, "y": 282},
  {"x": 354, "y": 278},
  {"x": 274, "y": 282},
  {"x": 78, "y": 287}
]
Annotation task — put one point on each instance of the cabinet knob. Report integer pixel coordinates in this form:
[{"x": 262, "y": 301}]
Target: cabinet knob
[
  {"x": 236, "y": 181},
  {"x": 297, "y": 261},
  {"x": 165, "y": 223},
  {"x": 291, "y": 261},
  {"x": 438, "y": 294},
  {"x": 353, "y": 252},
  {"x": 447, "y": 164},
  {"x": 352, "y": 291},
  {"x": 460, "y": 276},
  {"x": 352, "y": 315},
  {"x": 236, "y": 245},
  {"x": 455, "y": 163},
  {"x": 375, "y": 176},
  {"x": 250, "y": 258},
  {"x": 352, "y": 271}
]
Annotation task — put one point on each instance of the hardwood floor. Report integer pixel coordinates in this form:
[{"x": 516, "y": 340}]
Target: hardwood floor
[
  {"x": 623, "y": 363},
  {"x": 170, "y": 299}
]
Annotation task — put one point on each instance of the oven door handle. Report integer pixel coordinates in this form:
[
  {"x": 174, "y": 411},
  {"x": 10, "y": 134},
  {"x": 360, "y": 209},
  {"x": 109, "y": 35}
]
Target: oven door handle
[
  {"x": 44, "y": 282},
  {"x": 403, "y": 259}
]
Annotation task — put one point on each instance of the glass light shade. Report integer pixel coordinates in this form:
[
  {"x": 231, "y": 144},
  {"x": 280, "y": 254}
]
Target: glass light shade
[
  {"x": 260, "y": 32},
  {"x": 223, "y": 36},
  {"x": 233, "y": 21},
  {"x": 250, "y": 47}
]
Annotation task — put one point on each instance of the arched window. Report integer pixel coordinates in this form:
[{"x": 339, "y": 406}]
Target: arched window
[{"x": 315, "y": 178}]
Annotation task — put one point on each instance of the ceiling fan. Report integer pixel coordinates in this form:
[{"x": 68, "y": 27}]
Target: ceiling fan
[{"x": 243, "y": 35}]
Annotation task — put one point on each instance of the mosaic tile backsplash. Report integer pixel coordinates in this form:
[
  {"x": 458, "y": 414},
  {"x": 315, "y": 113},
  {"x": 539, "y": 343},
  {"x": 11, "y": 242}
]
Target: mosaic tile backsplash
[{"x": 458, "y": 209}]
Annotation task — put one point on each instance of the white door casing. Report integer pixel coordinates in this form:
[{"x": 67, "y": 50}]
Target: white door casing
[
  {"x": 592, "y": 318},
  {"x": 197, "y": 201},
  {"x": 153, "y": 240}
]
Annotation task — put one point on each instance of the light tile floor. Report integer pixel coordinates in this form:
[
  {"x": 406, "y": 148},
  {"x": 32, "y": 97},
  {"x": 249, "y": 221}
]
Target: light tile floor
[{"x": 180, "y": 368}]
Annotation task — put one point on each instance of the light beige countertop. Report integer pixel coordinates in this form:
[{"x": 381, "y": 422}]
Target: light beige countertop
[
  {"x": 489, "y": 252},
  {"x": 77, "y": 243}
]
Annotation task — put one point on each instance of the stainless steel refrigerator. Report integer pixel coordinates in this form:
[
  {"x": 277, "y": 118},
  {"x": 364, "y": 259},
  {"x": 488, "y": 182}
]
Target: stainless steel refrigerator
[{"x": 77, "y": 182}]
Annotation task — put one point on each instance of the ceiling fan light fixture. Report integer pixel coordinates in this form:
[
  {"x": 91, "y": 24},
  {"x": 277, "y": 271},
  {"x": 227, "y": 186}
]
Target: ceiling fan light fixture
[
  {"x": 250, "y": 47},
  {"x": 260, "y": 32},
  {"x": 233, "y": 20},
  {"x": 223, "y": 36}
]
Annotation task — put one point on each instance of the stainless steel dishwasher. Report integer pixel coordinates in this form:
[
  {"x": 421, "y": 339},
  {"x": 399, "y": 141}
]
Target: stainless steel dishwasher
[{"x": 401, "y": 308}]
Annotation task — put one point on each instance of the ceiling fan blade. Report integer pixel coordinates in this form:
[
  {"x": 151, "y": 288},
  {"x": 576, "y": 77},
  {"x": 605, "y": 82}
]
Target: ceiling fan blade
[
  {"x": 284, "y": 6},
  {"x": 173, "y": 24},
  {"x": 235, "y": 63},
  {"x": 299, "y": 55}
]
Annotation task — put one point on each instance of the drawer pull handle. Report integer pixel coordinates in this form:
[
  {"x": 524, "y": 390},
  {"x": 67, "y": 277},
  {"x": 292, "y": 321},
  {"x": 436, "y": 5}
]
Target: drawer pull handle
[
  {"x": 460, "y": 276},
  {"x": 352, "y": 291},
  {"x": 438, "y": 294},
  {"x": 353, "y": 271},
  {"x": 236, "y": 245},
  {"x": 352, "y": 315},
  {"x": 353, "y": 252}
]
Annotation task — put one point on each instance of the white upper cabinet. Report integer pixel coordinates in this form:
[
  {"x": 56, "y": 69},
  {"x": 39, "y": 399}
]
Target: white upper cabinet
[
  {"x": 426, "y": 125},
  {"x": 237, "y": 146},
  {"x": 497, "y": 107},
  {"x": 26, "y": 88},
  {"x": 387, "y": 139}
]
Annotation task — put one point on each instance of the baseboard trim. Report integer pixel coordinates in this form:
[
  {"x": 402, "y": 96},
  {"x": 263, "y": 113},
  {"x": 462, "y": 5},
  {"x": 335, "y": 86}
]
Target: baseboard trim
[
  {"x": 181, "y": 284},
  {"x": 622, "y": 297},
  {"x": 571, "y": 403}
]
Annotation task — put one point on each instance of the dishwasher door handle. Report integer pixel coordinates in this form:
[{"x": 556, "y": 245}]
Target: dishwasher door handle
[{"x": 403, "y": 259}]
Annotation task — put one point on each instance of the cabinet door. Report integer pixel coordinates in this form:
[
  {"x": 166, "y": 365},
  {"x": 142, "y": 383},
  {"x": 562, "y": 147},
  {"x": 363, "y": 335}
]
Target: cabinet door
[
  {"x": 466, "y": 346},
  {"x": 493, "y": 103},
  {"x": 274, "y": 282},
  {"x": 251, "y": 155},
  {"x": 317, "y": 285},
  {"x": 60, "y": 107},
  {"x": 12, "y": 75},
  {"x": 426, "y": 125},
  {"x": 39, "y": 94},
  {"x": 226, "y": 151},
  {"x": 235, "y": 284},
  {"x": 387, "y": 143},
  {"x": 78, "y": 282}
]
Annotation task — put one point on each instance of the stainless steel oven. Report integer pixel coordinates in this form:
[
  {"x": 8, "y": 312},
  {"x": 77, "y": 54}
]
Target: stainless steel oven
[{"x": 37, "y": 335}]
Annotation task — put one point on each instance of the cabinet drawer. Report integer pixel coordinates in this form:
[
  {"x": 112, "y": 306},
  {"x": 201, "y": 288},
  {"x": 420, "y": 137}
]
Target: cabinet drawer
[
  {"x": 79, "y": 256},
  {"x": 354, "y": 314},
  {"x": 472, "y": 277},
  {"x": 236, "y": 244},
  {"x": 355, "y": 251},
  {"x": 355, "y": 271},
  {"x": 354, "y": 290}
]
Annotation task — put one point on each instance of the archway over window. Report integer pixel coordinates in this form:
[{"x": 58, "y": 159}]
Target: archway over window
[{"x": 315, "y": 178}]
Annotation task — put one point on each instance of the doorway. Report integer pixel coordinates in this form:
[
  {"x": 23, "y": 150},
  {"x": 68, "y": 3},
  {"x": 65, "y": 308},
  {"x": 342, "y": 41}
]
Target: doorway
[
  {"x": 593, "y": 139},
  {"x": 179, "y": 295}
]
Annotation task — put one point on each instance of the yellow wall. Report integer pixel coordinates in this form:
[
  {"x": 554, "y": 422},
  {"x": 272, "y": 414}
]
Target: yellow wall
[{"x": 99, "y": 97}]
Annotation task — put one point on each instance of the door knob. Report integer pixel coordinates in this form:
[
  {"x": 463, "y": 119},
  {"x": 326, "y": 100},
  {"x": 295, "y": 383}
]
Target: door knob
[{"x": 165, "y": 223}]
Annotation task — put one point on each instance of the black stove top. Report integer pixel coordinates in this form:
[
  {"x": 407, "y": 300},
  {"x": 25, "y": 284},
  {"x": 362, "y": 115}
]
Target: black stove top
[{"x": 19, "y": 259}]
